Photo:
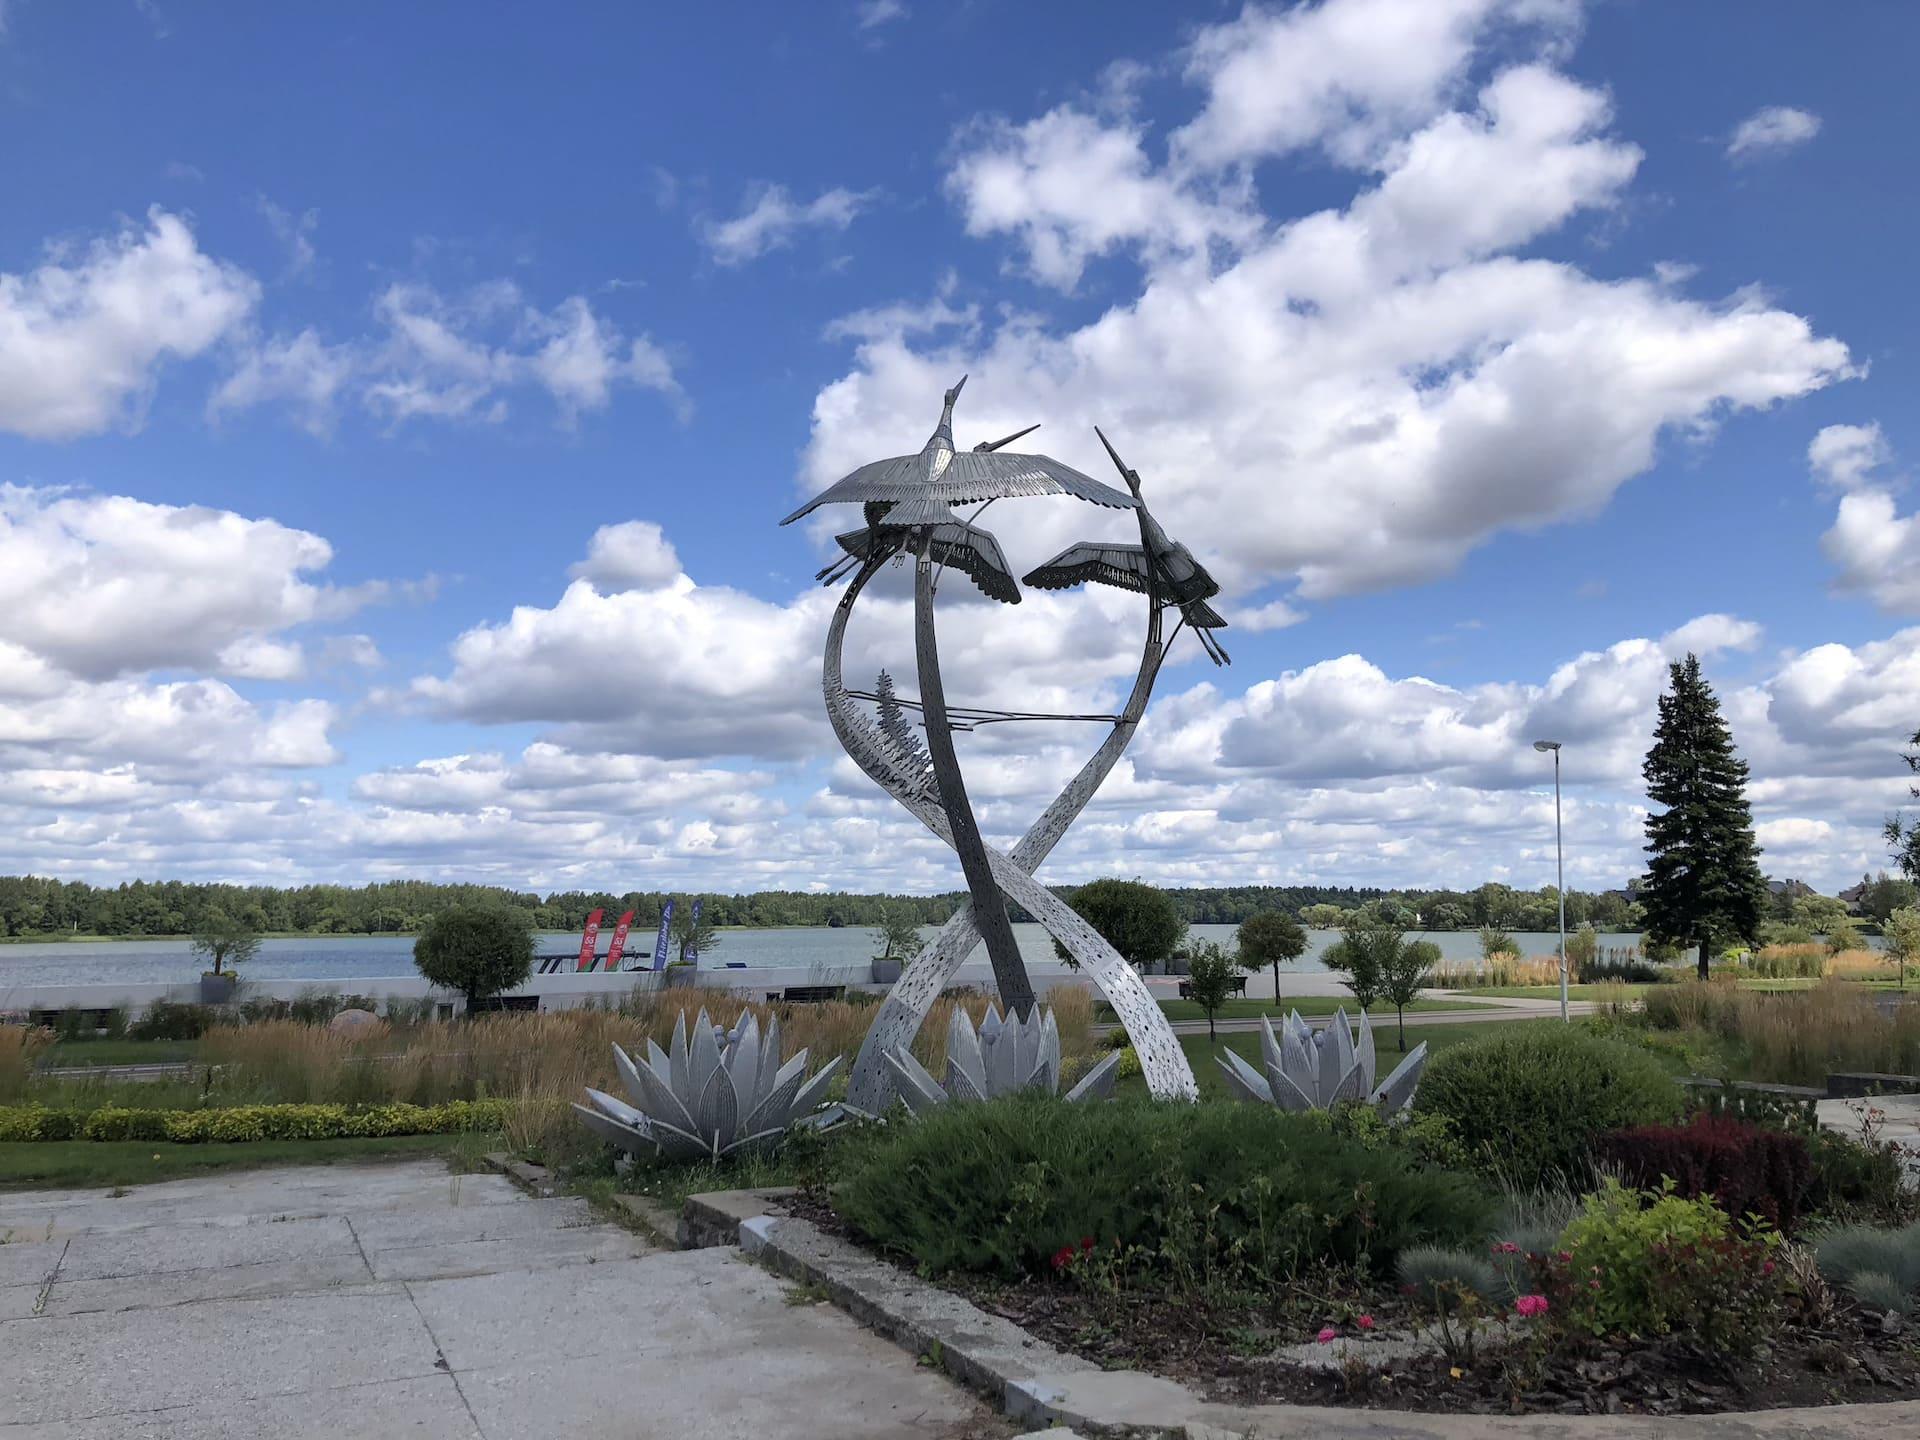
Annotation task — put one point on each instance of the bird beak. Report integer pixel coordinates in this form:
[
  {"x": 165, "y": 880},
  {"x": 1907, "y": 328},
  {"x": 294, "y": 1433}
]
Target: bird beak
[
  {"x": 954, "y": 393},
  {"x": 996, "y": 444},
  {"x": 1131, "y": 477}
]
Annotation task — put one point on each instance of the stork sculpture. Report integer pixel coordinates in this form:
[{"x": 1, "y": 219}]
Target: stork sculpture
[{"x": 908, "y": 509}]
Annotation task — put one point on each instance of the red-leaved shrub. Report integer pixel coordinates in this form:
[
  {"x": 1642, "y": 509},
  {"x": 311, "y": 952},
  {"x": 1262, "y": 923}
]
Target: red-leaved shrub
[{"x": 1749, "y": 1170}]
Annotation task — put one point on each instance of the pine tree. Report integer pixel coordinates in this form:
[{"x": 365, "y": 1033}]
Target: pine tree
[
  {"x": 894, "y": 723},
  {"x": 1703, "y": 884},
  {"x": 1903, "y": 835}
]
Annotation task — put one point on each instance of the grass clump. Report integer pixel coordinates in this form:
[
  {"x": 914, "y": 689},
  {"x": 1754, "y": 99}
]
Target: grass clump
[
  {"x": 1529, "y": 1101},
  {"x": 1197, "y": 1195}
]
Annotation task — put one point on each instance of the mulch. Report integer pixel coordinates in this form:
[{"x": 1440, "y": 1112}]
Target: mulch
[{"x": 1223, "y": 1349}]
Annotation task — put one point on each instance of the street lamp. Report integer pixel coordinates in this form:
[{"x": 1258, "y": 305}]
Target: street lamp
[{"x": 1559, "y": 867}]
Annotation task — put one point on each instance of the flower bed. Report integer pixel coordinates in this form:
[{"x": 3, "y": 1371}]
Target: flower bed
[{"x": 251, "y": 1122}]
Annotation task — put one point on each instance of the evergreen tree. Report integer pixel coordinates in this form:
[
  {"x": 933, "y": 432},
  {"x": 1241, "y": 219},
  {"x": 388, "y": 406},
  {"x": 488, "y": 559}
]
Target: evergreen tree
[
  {"x": 1703, "y": 884},
  {"x": 894, "y": 723},
  {"x": 1905, "y": 836}
]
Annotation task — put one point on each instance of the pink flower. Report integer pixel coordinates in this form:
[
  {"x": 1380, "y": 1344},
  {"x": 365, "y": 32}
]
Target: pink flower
[
  {"x": 1366, "y": 1322},
  {"x": 1326, "y": 1335},
  {"x": 1506, "y": 1247},
  {"x": 1532, "y": 1305},
  {"x": 1767, "y": 1268}
]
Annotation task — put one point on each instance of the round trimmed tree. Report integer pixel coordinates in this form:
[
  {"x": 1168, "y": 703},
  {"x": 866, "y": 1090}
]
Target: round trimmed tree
[
  {"x": 1137, "y": 920},
  {"x": 1271, "y": 937},
  {"x": 479, "y": 950}
]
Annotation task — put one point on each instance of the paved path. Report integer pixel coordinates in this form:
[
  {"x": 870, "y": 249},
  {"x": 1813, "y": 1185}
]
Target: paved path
[
  {"x": 1507, "y": 1009},
  {"x": 382, "y": 1300}
]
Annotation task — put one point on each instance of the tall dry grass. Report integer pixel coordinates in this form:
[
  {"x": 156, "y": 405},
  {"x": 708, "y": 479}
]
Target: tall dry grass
[
  {"x": 545, "y": 1060},
  {"x": 1797, "y": 1037},
  {"x": 1499, "y": 971},
  {"x": 20, "y": 1046},
  {"x": 1813, "y": 962}
]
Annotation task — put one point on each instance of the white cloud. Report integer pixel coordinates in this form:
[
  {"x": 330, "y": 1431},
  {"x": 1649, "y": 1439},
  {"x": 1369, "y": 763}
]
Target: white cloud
[
  {"x": 633, "y": 555},
  {"x": 451, "y": 358},
  {"x": 1845, "y": 456},
  {"x": 871, "y": 14},
  {"x": 772, "y": 219},
  {"x": 1345, "y": 400},
  {"x": 295, "y": 232},
  {"x": 1772, "y": 129},
  {"x": 84, "y": 336}
]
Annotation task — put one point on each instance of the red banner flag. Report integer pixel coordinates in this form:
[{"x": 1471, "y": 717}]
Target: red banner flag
[
  {"x": 589, "y": 940},
  {"x": 619, "y": 941}
]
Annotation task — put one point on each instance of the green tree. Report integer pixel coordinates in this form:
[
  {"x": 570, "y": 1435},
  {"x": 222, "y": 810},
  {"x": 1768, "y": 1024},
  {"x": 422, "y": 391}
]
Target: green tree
[
  {"x": 1703, "y": 883},
  {"x": 1139, "y": 921},
  {"x": 1321, "y": 916},
  {"x": 697, "y": 936},
  {"x": 1364, "y": 954},
  {"x": 225, "y": 942},
  {"x": 1583, "y": 948},
  {"x": 1272, "y": 937},
  {"x": 898, "y": 935},
  {"x": 1405, "y": 970},
  {"x": 1903, "y": 939},
  {"x": 479, "y": 950},
  {"x": 1211, "y": 971},
  {"x": 1886, "y": 894},
  {"x": 1495, "y": 941},
  {"x": 1843, "y": 935}
]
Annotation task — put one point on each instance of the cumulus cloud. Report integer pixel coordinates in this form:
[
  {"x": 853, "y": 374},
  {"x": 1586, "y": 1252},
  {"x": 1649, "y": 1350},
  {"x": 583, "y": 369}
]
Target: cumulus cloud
[
  {"x": 1845, "y": 457},
  {"x": 84, "y": 336},
  {"x": 773, "y": 218},
  {"x": 1350, "y": 399},
  {"x": 1874, "y": 548},
  {"x": 1770, "y": 130},
  {"x": 633, "y": 555},
  {"x": 457, "y": 357}
]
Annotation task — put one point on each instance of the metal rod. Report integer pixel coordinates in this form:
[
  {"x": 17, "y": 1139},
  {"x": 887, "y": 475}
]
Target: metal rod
[{"x": 1560, "y": 879}]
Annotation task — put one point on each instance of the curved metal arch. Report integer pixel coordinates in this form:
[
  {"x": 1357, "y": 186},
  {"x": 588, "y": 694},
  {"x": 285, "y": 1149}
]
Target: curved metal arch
[{"x": 904, "y": 1011}]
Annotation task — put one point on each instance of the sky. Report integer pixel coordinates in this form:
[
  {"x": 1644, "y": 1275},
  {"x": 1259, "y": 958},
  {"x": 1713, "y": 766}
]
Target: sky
[{"x": 398, "y": 404}]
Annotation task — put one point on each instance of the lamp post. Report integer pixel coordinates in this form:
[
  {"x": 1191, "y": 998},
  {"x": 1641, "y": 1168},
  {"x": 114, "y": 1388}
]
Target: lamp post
[{"x": 1559, "y": 867}]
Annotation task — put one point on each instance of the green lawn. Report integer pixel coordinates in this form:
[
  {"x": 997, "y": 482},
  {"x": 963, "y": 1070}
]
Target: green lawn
[
  {"x": 85, "y": 1164},
  {"x": 1201, "y": 1053},
  {"x": 1552, "y": 992},
  {"x": 119, "y": 1052}
]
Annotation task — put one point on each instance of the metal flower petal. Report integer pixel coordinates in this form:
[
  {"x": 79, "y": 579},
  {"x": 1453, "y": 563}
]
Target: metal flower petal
[
  {"x": 1004, "y": 1056},
  {"x": 713, "y": 1094},
  {"x": 1305, "y": 1069}
]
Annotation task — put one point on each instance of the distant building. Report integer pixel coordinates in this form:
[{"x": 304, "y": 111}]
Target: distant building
[{"x": 1792, "y": 889}]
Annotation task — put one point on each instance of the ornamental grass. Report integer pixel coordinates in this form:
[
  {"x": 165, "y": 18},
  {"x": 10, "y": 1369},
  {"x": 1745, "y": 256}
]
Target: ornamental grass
[{"x": 1797, "y": 1037}]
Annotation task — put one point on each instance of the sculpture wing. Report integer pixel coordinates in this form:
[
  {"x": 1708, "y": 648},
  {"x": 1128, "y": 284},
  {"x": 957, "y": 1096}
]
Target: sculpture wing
[
  {"x": 1094, "y": 562},
  {"x": 972, "y": 551},
  {"x": 969, "y": 476},
  {"x": 995, "y": 474}
]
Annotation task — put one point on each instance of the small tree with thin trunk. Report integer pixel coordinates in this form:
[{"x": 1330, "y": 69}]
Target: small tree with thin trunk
[
  {"x": 697, "y": 935},
  {"x": 1270, "y": 938},
  {"x": 224, "y": 941},
  {"x": 898, "y": 935},
  {"x": 1405, "y": 970},
  {"x": 1210, "y": 975},
  {"x": 479, "y": 950},
  {"x": 1363, "y": 954},
  {"x": 1903, "y": 939}
]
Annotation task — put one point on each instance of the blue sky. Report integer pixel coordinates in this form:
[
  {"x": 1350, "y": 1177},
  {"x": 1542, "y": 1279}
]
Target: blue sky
[{"x": 1492, "y": 352}]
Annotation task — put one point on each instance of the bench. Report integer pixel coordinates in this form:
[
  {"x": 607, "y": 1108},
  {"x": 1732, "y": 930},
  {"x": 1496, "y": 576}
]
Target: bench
[
  {"x": 807, "y": 994},
  {"x": 1236, "y": 986}
]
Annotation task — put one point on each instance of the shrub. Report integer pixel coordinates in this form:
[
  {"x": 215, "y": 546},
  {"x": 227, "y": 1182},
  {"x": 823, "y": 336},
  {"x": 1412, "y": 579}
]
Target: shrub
[
  {"x": 1495, "y": 941},
  {"x": 1881, "y": 1292},
  {"x": 1796, "y": 1038},
  {"x": 1747, "y": 1169},
  {"x": 1847, "y": 1253},
  {"x": 1858, "y": 1179},
  {"x": 1646, "y": 1266},
  {"x": 1529, "y": 1101},
  {"x": 20, "y": 1048},
  {"x": 164, "y": 1020},
  {"x": 1803, "y": 961},
  {"x": 1198, "y": 1194},
  {"x": 1441, "y": 1274}
]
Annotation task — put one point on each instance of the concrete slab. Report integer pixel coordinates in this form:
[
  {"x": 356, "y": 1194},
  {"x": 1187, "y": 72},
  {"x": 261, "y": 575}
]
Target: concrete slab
[
  {"x": 137, "y": 1360},
  {"x": 29, "y": 1264},
  {"x": 448, "y": 1225},
  {"x": 230, "y": 1282},
  {"x": 17, "y": 1302},
  {"x": 163, "y": 1249},
  {"x": 429, "y": 1408},
  {"x": 491, "y": 1257}
]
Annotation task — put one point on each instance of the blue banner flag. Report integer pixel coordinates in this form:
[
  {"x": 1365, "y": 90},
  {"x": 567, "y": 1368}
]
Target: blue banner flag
[{"x": 660, "y": 943}]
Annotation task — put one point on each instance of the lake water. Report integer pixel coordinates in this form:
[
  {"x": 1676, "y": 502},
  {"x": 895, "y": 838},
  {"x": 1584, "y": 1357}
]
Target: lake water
[{"x": 348, "y": 958}]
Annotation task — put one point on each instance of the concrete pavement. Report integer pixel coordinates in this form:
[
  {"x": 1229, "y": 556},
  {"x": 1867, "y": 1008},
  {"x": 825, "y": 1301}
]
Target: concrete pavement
[{"x": 364, "y": 1301}]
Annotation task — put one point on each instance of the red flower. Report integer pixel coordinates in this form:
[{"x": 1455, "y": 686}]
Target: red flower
[
  {"x": 1086, "y": 1242},
  {"x": 1366, "y": 1322},
  {"x": 1326, "y": 1335},
  {"x": 1063, "y": 1257}
]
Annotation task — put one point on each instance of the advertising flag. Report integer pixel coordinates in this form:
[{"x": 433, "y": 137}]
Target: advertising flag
[
  {"x": 693, "y": 937},
  {"x": 589, "y": 940},
  {"x": 660, "y": 942},
  {"x": 619, "y": 941}
]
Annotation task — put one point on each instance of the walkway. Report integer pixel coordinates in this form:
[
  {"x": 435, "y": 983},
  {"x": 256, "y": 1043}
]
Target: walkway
[{"x": 364, "y": 1301}]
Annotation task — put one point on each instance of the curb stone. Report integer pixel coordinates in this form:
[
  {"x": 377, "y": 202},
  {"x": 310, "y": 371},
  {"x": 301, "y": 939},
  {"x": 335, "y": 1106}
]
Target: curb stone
[
  {"x": 1035, "y": 1383},
  {"x": 531, "y": 1177}
]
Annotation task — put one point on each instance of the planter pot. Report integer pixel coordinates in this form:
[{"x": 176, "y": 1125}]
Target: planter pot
[
  {"x": 682, "y": 975},
  {"x": 885, "y": 972},
  {"x": 217, "y": 989}
]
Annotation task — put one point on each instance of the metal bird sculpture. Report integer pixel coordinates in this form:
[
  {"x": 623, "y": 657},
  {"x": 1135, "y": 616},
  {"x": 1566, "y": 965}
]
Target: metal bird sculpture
[{"x": 1159, "y": 566}]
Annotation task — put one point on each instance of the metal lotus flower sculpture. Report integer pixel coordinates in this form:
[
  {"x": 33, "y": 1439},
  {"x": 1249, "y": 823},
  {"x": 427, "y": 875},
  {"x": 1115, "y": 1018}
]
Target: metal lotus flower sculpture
[
  {"x": 1006, "y": 1055},
  {"x": 712, "y": 1094},
  {"x": 1305, "y": 1070}
]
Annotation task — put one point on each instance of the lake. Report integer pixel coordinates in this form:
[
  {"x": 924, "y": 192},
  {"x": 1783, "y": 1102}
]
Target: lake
[{"x": 360, "y": 957}]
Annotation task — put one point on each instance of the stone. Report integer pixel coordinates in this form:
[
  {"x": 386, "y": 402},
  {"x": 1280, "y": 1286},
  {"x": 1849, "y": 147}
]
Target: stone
[{"x": 354, "y": 1023}]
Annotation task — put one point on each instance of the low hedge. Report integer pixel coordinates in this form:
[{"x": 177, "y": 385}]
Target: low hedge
[
  {"x": 1749, "y": 1170},
  {"x": 250, "y": 1122},
  {"x": 1195, "y": 1193}
]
